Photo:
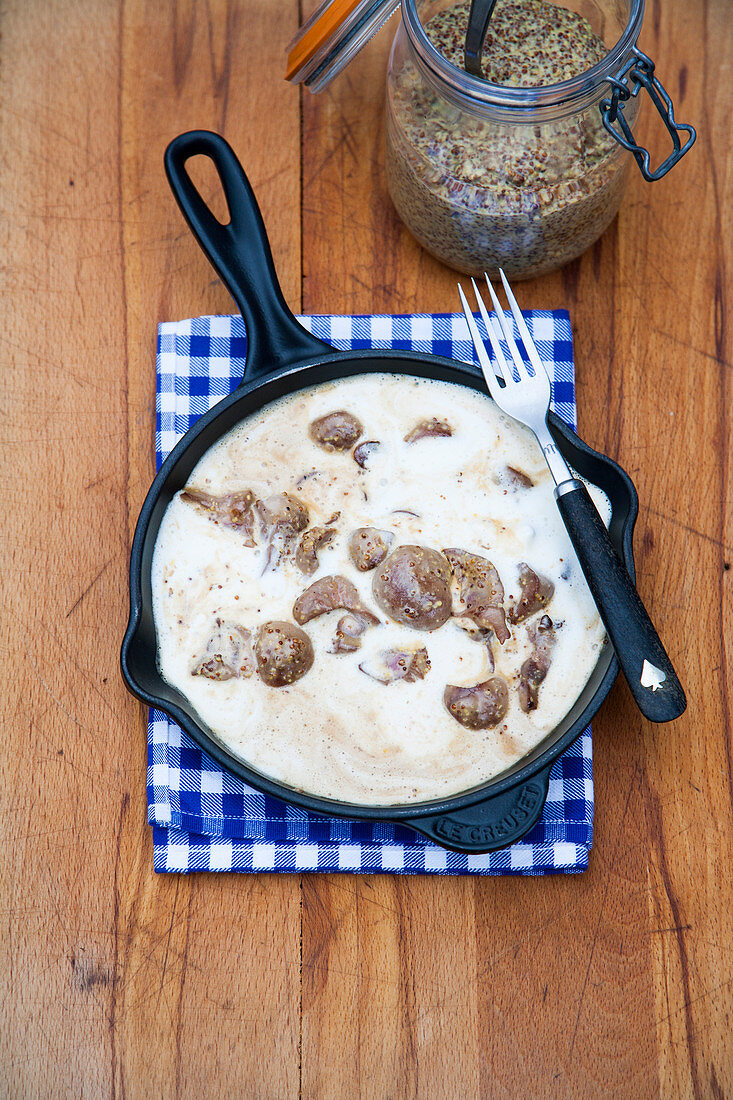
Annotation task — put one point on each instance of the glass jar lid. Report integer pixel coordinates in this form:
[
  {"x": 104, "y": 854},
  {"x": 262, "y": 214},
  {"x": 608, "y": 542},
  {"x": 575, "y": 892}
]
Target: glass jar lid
[{"x": 328, "y": 41}]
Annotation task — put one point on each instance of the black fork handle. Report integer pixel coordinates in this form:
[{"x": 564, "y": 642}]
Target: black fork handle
[
  {"x": 648, "y": 670},
  {"x": 240, "y": 253}
]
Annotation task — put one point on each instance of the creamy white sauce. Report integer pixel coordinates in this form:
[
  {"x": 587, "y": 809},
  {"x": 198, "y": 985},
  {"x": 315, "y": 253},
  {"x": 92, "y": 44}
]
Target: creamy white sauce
[{"x": 336, "y": 732}]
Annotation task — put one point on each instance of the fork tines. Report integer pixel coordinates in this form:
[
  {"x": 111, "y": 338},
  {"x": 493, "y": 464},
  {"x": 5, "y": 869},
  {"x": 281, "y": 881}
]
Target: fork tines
[{"x": 499, "y": 329}]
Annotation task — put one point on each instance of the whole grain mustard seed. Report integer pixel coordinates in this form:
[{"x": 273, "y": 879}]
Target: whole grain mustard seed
[
  {"x": 481, "y": 193},
  {"x": 529, "y": 43}
]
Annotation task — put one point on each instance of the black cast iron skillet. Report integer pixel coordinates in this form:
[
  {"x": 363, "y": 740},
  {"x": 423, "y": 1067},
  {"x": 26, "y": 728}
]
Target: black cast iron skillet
[{"x": 281, "y": 358}]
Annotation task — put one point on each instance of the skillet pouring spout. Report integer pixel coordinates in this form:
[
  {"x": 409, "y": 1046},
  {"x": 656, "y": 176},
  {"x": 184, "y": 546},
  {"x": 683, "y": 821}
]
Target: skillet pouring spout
[{"x": 282, "y": 359}]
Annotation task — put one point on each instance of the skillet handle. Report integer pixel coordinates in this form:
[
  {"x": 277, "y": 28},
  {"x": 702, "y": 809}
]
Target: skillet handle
[
  {"x": 240, "y": 253},
  {"x": 495, "y": 823}
]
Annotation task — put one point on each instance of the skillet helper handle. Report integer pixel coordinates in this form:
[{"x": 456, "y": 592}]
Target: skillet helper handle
[
  {"x": 240, "y": 253},
  {"x": 498, "y": 821},
  {"x": 643, "y": 659}
]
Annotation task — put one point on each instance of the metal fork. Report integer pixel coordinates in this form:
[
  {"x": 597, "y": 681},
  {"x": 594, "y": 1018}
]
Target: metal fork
[{"x": 642, "y": 657}]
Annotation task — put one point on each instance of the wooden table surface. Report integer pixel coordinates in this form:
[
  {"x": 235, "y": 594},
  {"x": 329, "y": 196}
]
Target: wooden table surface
[{"x": 115, "y": 981}]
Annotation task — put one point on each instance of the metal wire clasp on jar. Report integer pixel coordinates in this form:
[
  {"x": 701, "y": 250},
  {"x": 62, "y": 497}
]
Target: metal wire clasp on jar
[{"x": 488, "y": 175}]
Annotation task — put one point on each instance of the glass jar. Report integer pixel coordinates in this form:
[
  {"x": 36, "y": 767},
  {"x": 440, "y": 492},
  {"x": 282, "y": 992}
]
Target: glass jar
[{"x": 489, "y": 175}]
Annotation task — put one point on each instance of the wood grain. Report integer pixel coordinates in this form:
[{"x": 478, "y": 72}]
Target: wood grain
[
  {"x": 116, "y": 982},
  {"x": 619, "y": 984}
]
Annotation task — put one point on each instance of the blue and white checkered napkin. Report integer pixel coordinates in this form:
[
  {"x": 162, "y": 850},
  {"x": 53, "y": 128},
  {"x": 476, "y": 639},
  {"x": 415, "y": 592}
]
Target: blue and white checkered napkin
[{"x": 205, "y": 818}]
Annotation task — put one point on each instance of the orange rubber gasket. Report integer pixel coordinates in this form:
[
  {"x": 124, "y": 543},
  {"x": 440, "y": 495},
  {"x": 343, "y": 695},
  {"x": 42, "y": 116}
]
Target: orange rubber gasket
[{"x": 306, "y": 47}]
